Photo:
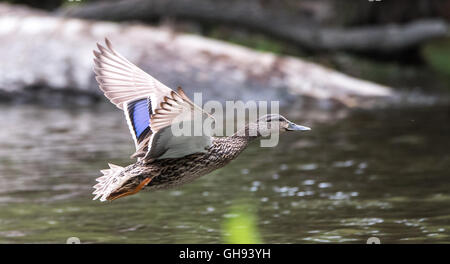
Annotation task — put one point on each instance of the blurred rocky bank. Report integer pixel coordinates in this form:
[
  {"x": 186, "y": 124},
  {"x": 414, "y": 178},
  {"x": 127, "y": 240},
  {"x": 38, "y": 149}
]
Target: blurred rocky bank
[{"x": 47, "y": 58}]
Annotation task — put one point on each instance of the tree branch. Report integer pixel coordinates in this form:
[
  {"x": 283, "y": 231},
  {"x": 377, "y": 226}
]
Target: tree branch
[{"x": 278, "y": 22}]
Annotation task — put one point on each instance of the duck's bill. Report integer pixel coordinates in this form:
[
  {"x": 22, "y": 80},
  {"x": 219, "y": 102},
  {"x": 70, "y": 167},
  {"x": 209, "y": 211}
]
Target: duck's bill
[{"x": 295, "y": 127}]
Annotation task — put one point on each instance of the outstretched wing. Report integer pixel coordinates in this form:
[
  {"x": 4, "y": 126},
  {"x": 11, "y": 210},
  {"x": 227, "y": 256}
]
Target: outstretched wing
[
  {"x": 176, "y": 111},
  {"x": 130, "y": 89},
  {"x": 150, "y": 107}
]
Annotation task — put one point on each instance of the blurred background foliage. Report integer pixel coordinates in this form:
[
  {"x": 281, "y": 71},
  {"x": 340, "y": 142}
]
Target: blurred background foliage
[{"x": 437, "y": 55}]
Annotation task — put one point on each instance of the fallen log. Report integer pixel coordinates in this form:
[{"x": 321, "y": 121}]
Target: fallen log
[
  {"x": 40, "y": 50},
  {"x": 279, "y": 22}
]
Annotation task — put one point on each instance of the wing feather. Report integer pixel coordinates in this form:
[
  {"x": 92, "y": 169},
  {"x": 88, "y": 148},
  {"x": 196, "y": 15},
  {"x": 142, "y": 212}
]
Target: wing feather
[
  {"x": 175, "y": 109},
  {"x": 126, "y": 86},
  {"x": 122, "y": 81}
]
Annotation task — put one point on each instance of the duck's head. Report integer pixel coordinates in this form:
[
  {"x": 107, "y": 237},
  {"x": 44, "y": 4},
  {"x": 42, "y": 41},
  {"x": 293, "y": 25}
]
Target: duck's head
[{"x": 273, "y": 123}]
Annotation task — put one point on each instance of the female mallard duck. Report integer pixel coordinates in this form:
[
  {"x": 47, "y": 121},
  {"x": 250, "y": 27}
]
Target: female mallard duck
[{"x": 163, "y": 160}]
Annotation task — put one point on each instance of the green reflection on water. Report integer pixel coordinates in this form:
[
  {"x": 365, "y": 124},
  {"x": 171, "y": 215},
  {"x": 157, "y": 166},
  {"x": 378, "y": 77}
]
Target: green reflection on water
[{"x": 240, "y": 226}]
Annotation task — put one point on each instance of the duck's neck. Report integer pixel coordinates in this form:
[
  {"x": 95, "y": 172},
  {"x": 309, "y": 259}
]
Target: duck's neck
[
  {"x": 230, "y": 147},
  {"x": 246, "y": 134}
]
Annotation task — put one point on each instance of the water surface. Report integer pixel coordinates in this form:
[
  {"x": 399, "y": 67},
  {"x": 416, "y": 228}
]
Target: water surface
[{"x": 375, "y": 173}]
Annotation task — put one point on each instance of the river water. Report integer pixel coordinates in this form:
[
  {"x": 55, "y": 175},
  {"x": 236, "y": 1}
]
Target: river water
[{"x": 383, "y": 174}]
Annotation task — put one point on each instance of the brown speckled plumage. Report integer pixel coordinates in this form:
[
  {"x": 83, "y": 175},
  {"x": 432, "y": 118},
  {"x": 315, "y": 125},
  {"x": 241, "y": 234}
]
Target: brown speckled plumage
[{"x": 166, "y": 173}]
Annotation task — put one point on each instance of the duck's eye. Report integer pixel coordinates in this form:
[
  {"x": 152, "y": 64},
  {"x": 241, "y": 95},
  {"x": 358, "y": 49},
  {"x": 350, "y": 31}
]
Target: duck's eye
[{"x": 280, "y": 119}]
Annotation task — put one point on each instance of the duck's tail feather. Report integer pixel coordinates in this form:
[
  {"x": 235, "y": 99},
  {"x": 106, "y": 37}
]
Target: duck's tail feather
[{"x": 109, "y": 182}]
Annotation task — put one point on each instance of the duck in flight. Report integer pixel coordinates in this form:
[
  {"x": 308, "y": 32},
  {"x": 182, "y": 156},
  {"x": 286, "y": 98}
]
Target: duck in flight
[{"x": 163, "y": 159}]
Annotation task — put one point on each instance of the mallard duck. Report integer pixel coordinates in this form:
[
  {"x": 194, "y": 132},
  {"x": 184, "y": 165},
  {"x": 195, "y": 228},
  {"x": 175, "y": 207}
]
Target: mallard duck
[{"x": 150, "y": 107}]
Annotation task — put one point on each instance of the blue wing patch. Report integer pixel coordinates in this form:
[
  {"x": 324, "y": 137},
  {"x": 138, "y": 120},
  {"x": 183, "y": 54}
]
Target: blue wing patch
[{"x": 139, "y": 112}]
